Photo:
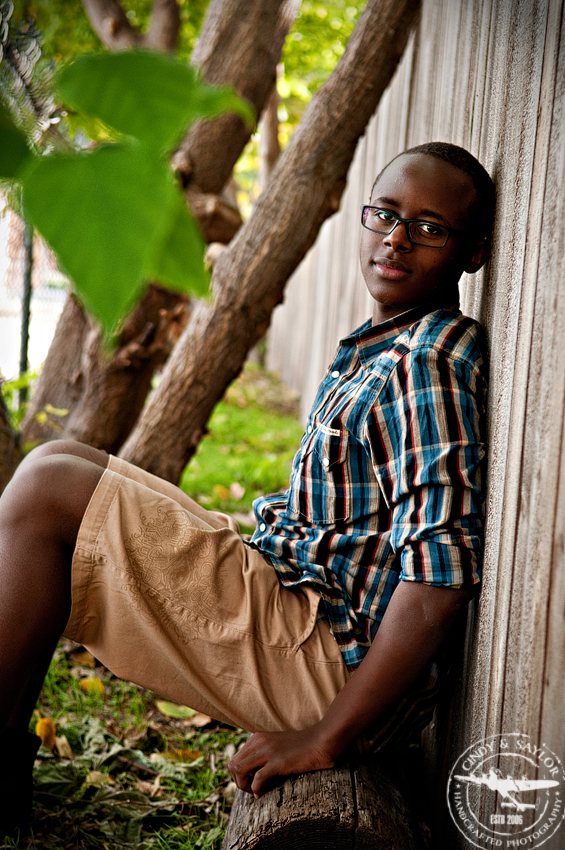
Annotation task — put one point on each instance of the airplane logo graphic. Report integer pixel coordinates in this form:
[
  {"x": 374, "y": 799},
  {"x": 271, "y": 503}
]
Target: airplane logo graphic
[{"x": 508, "y": 788}]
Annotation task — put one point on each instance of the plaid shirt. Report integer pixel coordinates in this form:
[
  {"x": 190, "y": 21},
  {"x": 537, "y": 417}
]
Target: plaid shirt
[{"x": 386, "y": 485}]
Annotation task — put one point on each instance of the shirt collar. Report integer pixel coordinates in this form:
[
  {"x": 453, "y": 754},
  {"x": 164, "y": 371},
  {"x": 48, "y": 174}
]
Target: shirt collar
[{"x": 371, "y": 340}]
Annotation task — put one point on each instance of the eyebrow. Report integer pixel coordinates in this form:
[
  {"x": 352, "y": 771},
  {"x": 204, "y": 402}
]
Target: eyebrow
[{"x": 423, "y": 212}]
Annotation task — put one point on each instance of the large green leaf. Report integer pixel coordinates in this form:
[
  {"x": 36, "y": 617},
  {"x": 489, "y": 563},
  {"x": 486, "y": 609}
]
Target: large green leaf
[
  {"x": 180, "y": 263},
  {"x": 106, "y": 214},
  {"x": 14, "y": 152},
  {"x": 151, "y": 96}
]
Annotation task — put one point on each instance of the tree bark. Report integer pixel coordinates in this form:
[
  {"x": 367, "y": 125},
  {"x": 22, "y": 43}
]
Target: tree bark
[
  {"x": 269, "y": 138},
  {"x": 10, "y": 453},
  {"x": 101, "y": 394},
  {"x": 103, "y": 398},
  {"x": 353, "y": 807},
  {"x": 250, "y": 275}
]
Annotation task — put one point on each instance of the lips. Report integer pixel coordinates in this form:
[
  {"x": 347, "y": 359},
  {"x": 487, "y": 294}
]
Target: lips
[{"x": 391, "y": 269}]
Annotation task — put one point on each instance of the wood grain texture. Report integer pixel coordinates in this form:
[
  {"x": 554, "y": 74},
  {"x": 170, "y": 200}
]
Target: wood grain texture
[{"x": 348, "y": 808}]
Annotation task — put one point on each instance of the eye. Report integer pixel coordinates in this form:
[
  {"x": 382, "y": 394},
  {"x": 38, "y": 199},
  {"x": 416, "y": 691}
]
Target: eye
[
  {"x": 426, "y": 228},
  {"x": 384, "y": 215}
]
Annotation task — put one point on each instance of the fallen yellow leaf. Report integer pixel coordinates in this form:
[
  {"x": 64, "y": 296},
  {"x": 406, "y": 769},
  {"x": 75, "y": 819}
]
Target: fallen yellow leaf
[
  {"x": 92, "y": 684},
  {"x": 47, "y": 731},
  {"x": 221, "y": 491},
  {"x": 184, "y": 756}
]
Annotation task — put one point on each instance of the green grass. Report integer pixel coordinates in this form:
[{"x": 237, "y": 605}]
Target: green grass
[
  {"x": 253, "y": 436},
  {"x": 140, "y": 778}
]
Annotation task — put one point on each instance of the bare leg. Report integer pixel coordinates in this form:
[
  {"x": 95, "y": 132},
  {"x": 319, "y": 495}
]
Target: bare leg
[
  {"x": 40, "y": 514},
  {"x": 25, "y": 704}
]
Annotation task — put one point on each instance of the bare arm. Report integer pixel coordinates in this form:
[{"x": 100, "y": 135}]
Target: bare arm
[{"x": 417, "y": 620}]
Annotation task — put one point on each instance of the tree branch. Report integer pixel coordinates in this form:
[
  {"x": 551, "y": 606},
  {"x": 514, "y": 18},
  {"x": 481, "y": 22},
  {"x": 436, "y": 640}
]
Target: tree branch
[
  {"x": 110, "y": 23},
  {"x": 164, "y": 26},
  {"x": 229, "y": 56}
]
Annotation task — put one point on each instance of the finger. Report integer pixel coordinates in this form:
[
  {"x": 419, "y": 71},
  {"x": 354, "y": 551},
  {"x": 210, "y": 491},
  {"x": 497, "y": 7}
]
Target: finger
[
  {"x": 242, "y": 773},
  {"x": 260, "y": 778}
]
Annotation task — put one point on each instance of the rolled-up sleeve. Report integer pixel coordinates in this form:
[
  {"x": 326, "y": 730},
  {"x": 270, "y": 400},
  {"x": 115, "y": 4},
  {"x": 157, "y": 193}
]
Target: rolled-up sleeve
[{"x": 430, "y": 426}]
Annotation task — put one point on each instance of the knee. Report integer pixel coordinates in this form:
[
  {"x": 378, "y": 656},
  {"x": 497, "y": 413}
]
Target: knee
[
  {"x": 51, "y": 491},
  {"x": 71, "y": 448},
  {"x": 53, "y": 447}
]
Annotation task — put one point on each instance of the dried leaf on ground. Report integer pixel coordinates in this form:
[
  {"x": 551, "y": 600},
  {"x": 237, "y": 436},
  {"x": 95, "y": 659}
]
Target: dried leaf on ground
[
  {"x": 92, "y": 684},
  {"x": 46, "y": 730}
]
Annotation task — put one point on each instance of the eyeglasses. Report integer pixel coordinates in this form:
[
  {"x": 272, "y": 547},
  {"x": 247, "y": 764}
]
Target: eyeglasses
[{"x": 419, "y": 232}]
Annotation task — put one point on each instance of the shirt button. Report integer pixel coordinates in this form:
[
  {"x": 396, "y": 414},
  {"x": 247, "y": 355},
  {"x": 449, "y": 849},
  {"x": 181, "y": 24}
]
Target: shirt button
[
  {"x": 325, "y": 462},
  {"x": 262, "y": 527},
  {"x": 310, "y": 429},
  {"x": 335, "y": 374}
]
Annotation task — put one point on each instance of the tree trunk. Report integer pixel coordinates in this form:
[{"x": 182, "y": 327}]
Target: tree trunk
[
  {"x": 347, "y": 808},
  {"x": 104, "y": 397},
  {"x": 10, "y": 454},
  {"x": 101, "y": 395},
  {"x": 250, "y": 275}
]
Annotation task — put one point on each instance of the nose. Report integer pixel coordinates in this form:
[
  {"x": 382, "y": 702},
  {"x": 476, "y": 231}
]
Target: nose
[{"x": 398, "y": 238}]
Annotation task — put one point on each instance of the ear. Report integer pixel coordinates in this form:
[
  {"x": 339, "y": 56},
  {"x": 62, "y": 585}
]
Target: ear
[{"x": 479, "y": 255}]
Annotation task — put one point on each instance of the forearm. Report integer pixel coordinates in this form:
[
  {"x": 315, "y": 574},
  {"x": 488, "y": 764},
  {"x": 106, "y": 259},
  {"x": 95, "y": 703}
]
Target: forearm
[{"x": 416, "y": 622}]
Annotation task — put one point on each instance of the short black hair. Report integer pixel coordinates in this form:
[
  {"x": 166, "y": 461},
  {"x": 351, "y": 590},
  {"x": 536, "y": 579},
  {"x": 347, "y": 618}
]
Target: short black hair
[{"x": 484, "y": 204}]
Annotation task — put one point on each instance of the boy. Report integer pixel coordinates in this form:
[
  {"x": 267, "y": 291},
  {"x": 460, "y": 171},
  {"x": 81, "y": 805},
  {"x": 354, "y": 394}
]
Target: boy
[{"x": 313, "y": 633}]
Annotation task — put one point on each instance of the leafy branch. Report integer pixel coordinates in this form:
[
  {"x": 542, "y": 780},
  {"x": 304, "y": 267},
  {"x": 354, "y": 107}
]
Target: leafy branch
[{"x": 113, "y": 214}]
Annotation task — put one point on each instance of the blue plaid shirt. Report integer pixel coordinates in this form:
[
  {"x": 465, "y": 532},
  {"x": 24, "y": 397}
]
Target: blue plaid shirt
[{"x": 386, "y": 486}]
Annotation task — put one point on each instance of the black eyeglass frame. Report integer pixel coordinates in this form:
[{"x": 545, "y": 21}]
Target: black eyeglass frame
[{"x": 408, "y": 222}]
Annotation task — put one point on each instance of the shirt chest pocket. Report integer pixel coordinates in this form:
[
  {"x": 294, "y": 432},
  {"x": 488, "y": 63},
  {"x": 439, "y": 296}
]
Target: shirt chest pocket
[{"x": 322, "y": 493}]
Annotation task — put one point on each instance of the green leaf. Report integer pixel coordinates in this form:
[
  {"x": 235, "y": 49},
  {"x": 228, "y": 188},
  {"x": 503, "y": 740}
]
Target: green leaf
[
  {"x": 106, "y": 215},
  {"x": 14, "y": 152},
  {"x": 151, "y": 96},
  {"x": 171, "y": 709},
  {"x": 57, "y": 779},
  {"x": 180, "y": 264}
]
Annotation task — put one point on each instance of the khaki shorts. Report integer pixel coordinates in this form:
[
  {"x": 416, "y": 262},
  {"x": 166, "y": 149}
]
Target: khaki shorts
[{"x": 169, "y": 596}]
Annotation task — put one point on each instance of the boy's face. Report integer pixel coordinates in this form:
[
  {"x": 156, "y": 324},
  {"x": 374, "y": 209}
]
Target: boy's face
[{"x": 401, "y": 274}]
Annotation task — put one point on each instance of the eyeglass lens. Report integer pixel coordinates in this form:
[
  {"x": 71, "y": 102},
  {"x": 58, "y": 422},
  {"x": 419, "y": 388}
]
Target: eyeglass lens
[{"x": 420, "y": 232}]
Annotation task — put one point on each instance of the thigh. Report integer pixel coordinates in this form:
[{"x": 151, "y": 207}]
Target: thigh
[
  {"x": 165, "y": 599},
  {"x": 215, "y": 519}
]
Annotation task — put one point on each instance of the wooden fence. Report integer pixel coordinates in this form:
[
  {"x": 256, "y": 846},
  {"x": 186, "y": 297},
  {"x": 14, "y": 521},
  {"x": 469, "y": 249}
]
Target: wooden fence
[{"x": 488, "y": 75}]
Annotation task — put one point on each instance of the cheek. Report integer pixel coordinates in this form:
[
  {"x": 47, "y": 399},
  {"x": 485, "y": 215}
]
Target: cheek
[{"x": 367, "y": 245}]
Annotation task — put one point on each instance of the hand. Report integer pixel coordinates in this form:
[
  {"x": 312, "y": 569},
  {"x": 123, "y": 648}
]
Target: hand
[{"x": 268, "y": 754}]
